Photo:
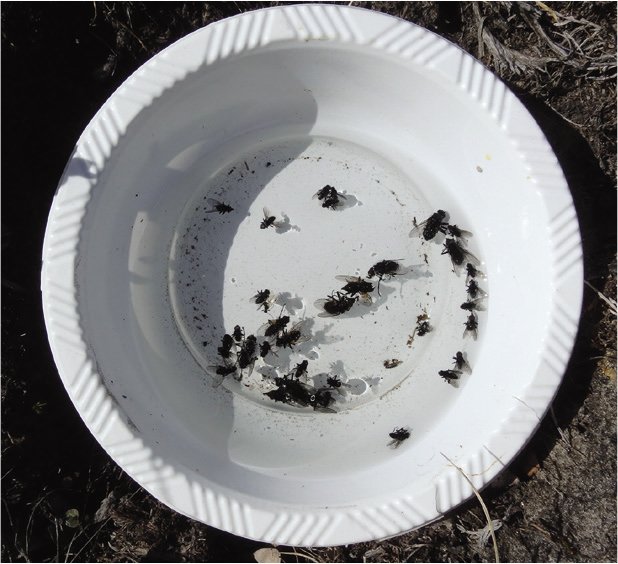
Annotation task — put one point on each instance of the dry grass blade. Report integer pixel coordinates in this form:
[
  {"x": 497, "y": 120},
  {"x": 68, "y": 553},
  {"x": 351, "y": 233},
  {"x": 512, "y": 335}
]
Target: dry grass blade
[
  {"x": 485, "y": 510},
  {"x": 297, "y": 554},
  {"x": 609, "y": 301}
]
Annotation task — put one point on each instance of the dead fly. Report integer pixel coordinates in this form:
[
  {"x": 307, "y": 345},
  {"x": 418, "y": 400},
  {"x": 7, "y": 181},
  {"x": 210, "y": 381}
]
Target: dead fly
[
  {"x": 264, "y": 299},
  {"x": 265, "y": 348},
  {"x": 225, "y": 350},
  {"x": 247, "y": 354},
  {"x": 274, "y": 326},
  {"x": 219, "y": 372},
  {"x": 325, "y": 193},
  {"x": 300, "y": 369},
  {"x": 450, "y": 376},
  {"x": 392, "y": 363},
  {"x": 238, "y": 333},
  {"x": 474, "y": 305},
  {"x": 292, "y": 337},
  {"x": 458, "y": 254},
  {"x": 429, "y": 228},
  {"x": 334, "y": 382},
  {"x": 357, "y": 286},
  {"x": 461, "y": 363},
  {"x": 279, "y": 394},
  {"x": 422, "y": 325},
  {"x": 385, "y": 269},
  {"x": 291, "y": 391},
  {"x": 398, "y": 436},
  {"x": 473, "y": 272},
  {"x": 335, "y": 304},
  {"x": 320, "y": 400},
  {"x": 219, "y": 207},
  {"x": 471, "y": 326},
  {"x": 269, "y": 220},
  {"x": 329, "y": 197},
  {"x": 460, "y": 235},
  {"x": 474, "y": 291}
]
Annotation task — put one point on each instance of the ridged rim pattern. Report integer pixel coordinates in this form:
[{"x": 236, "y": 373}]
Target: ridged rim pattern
[{"x": 78, "y": 370}]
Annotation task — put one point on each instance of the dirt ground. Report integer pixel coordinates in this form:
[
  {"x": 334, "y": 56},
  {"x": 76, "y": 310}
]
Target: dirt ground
[{"x": 64, "y": 499}]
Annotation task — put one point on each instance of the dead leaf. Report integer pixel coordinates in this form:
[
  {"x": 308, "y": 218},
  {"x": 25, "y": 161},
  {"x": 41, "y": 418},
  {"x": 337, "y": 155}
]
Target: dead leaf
[{"x": 267, "y": 555}]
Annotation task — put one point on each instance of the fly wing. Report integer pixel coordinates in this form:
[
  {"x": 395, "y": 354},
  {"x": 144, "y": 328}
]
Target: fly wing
[
  {"x": 299, "y": 327},
  {"x": 320, "y": 305},
  {"x": 475, "y": 291},
  {"x": 217, "y": 374},
  {"x": 465, "y": 367},
  {"x": 469, "y": 257},
  {"x": 418, "y": 228},
  {"x": 214, "y": 203},
  {"x": 344, "y": 278},
  {"x": 262, "y": 330}
]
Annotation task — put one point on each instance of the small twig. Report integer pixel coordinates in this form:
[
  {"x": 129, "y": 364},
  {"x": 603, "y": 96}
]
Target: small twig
[
  {"x": 88, "y": 541},
  {"x": 560, "y": 432},
  {"x": 548, "y": 9},
  {"x": 580, "y": 125},
  {"x": 295, "y": 553},
  {"x": 611, "y": 302},
  {"x": 478, "y": 495},
  {"x": 543, "y": 531}
]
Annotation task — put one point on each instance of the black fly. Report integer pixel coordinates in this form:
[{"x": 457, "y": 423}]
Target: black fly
[
  {"x": 220, "y": 371},
  {"x": 474, "y": 291},
  {"x": 471, "y": 326},
  {"x": 219, "y": 207},
  {"x": 265, "y": 348},
  {"x": 247, "y": 354},
  {"x": 329, "y": 197},
  {"x": 269, "y": 220},
  {"x": 292, "y": 337},
  {"x": 461, "y": 363},
  {"x": 300, "y": 369},
  {"x": 460, "y": 235},
  {"x": 385, "y": 269},
  {"x": 422, "y": 325},
  {"x": 264, "y": 299},
  {"x": 357, "y": 286},
  {"x": 239, "y": 333},
  {"x": 458, "y": 254},
  {"x": 335, "y": 304},
  {"x": 398, "y": 436},
  {"x": 274, "y": 326},
  {"x": 429, "y": 228},
  {"x": 334, "y": 382},
  {"x": 294, "y": 392},
  {"x": 225, "y": 350},
  {"x": 474, "y": 305},
  {"x": 472, "y": 272},
  {"x": 320, "y": 400},
  {"x": 325, "y": 193},
  {"x": 450, "y": 376}
]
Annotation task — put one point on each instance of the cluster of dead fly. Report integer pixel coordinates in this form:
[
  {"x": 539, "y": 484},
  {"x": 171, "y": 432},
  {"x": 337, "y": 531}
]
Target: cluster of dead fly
[
  {"x": 357, "y": 289},
  {"x": 239, "y": 352},
  {"x": 293, "y": 389},
  {"x": 454, "y": 245}
]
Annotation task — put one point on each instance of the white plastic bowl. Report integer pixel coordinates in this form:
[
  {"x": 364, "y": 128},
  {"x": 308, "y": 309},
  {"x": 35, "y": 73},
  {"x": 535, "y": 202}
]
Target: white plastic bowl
[{"x": 140, "y": 282}]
